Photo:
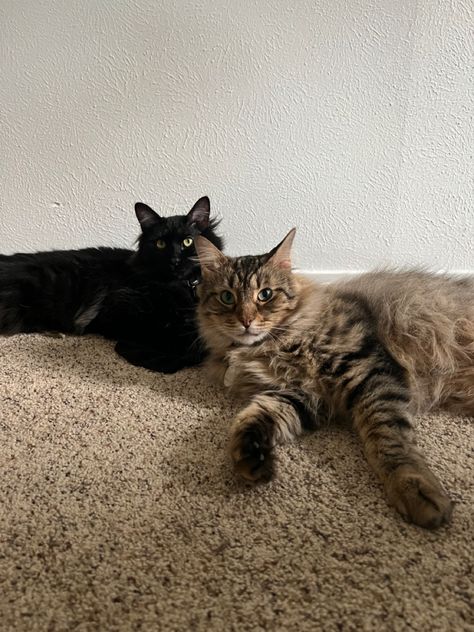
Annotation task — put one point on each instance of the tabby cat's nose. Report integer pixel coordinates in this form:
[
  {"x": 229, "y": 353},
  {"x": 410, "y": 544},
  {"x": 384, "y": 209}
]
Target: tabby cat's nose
[{"x": 246, "y": 322}]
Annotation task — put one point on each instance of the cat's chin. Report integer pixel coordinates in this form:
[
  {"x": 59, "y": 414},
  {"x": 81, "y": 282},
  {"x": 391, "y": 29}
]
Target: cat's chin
[
  {"x": 186, "y": 273},
  {"x": 249, "y": 339}
]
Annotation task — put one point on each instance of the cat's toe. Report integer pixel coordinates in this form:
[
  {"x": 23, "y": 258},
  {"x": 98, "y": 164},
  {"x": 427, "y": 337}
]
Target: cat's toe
[
  {"x": 419, "y": 498},
  {"x": 252, "y": 454},
  {"x": 149, "y": 358}
]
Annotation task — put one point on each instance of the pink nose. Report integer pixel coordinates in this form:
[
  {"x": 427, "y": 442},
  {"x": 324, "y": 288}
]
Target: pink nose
[{"x": 246, "y": 322}]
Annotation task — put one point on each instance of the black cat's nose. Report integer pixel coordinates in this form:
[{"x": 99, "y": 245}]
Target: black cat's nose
[{"x": 174, "y": 261}]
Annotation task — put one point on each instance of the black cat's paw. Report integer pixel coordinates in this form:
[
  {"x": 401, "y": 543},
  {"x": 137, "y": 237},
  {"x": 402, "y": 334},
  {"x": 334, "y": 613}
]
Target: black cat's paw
[
  {"x": 148, "y": 358},
  {"x": 251, "y": 451}
]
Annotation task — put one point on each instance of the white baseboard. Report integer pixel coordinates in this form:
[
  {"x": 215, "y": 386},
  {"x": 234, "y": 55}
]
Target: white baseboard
[{"x": 327, "y": 276}]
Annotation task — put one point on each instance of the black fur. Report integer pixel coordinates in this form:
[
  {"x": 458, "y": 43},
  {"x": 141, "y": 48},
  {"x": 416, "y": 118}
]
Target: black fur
[{"x": 145, "y": 299}]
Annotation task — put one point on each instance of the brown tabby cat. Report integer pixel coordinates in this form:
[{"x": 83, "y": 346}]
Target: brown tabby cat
[{"x": 376, "y": 349}]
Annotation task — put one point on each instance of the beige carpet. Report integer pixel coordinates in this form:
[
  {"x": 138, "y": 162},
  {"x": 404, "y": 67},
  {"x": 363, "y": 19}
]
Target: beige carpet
[{"x": 119, "y": 511}]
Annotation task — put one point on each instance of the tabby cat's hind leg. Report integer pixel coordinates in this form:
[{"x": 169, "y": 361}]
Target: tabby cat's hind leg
[
  {"x": 271, "y": 418},
  {"x": 458, "y": 392}
]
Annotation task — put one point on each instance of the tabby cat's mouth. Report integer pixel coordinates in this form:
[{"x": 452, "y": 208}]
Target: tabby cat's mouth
[{"x": 248, "y": 338}]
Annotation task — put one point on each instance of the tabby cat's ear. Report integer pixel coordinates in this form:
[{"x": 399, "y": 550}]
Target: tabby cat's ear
[
  {"x": 199, "y": 214},
  {"x": 280, "y": 256},
  {"x": 146, "y": 215},
  {"x": 210, "y": 257}
]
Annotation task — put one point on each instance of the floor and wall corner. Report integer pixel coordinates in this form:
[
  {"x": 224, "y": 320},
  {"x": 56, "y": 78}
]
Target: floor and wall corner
[{"x": 119, "y": 509}]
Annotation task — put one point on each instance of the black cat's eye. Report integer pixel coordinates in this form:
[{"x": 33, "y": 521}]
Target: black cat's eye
[
  {"x": 160, "y": 243},
  {"x": 187, "y": 242},
  {"x": 265, "y": 295},
  {"x": 227, "y": 297}
]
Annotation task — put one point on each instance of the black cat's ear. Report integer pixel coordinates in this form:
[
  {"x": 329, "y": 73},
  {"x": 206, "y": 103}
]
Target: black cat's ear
[
  {"x": 199, "y": 214},
  {"x": 280, "y": 256},
  {"x": 146, "y": 215},
  {"x": 210, "y": 257}
]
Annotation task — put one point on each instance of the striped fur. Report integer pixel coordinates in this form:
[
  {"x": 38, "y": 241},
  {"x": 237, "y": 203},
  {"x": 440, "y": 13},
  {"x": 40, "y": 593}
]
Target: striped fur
[{"x": 375, "y": 350}]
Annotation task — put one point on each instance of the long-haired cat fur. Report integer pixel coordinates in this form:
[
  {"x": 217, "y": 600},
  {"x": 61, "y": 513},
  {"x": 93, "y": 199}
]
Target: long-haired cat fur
[
  {"x": 376, "y": 350},
  {"x": 144, "y": 299}
]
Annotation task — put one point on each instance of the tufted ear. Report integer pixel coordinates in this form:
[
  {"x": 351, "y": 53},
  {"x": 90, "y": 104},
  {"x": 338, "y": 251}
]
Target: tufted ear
[
  {"x": 146, "y": 215},
  {"x": 199, "y": 214},
  {"x": 210, "y": 257},
  {"x": 280, "y": 256}
]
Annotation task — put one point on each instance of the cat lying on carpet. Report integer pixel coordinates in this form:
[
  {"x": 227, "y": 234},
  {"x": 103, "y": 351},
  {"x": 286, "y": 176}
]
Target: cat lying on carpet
[
  {"x": 376, "y": 349},
  {"x": 145, "y": 299}
]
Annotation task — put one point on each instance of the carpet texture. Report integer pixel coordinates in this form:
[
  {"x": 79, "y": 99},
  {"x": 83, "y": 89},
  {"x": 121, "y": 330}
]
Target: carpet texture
[{"x": 119, "y": 511}]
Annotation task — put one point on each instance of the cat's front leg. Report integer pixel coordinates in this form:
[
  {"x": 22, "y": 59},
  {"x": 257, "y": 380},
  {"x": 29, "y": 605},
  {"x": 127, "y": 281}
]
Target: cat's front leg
[
  {"x": 272, "y": 417},
  {"x": 216, "y": 367},
  {"x": 384, "y": 423}
]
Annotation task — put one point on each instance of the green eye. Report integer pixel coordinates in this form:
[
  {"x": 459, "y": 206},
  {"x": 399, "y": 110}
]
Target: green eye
[
  {"x": 160, "y": 243},
  {"x": 187, "y": 241},
  {"x": 265, "y": 294},
  {"x": 227, "y": 297}
]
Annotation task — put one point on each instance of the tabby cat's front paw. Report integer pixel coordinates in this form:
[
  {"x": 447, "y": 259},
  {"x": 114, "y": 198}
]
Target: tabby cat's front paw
[
  {"x": 251, "y": 452},
  {"x": 419, "y": 498}
]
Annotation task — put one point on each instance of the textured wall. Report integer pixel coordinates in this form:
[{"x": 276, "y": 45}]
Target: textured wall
[{"x": 347, "y": 118}]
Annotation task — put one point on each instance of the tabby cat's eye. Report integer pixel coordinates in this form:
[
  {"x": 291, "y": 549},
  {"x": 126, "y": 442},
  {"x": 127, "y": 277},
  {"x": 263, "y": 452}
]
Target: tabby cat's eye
[
  {"x": 187, "y": 241},
  {"x": 265, "y": 294},
  {"x": 160, "y": 243},
  {"x": 227, "y": 297}
]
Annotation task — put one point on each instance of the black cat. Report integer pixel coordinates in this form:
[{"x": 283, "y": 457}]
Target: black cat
[{"x": 144, "y": 299}]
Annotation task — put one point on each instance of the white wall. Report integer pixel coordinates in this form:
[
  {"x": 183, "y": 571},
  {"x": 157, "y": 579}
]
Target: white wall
[{"x": 350, "y": 119}]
